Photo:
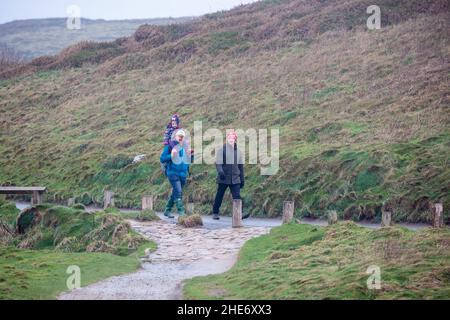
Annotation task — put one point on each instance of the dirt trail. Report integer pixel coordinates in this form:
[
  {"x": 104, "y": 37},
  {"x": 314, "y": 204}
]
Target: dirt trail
[{"x": 182, "y": 254}]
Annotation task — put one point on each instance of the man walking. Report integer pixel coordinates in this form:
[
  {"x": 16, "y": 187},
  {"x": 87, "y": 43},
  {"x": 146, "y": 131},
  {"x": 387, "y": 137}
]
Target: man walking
[{"x": 230, "y": 172}]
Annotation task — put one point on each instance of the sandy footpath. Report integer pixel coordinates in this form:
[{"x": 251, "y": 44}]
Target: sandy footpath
[{"x": 182, "y": 254}]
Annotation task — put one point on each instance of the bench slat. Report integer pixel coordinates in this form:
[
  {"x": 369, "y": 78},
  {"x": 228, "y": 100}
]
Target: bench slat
[{"x": 4, "y": 190}]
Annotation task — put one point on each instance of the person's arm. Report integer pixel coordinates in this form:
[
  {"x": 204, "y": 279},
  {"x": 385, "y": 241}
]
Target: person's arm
[
  {"x": 166, "y": 155},
  {"x": 241, "y": 170},
  {"x": 219, "y": 164},
  {"x": 167, "y": 136}
]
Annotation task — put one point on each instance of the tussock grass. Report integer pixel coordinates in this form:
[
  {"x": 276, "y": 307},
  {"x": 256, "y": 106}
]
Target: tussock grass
[
  {"x": 73, "y": 230},
  {"x": 8, "y": 213},
  {"x": 33, "y": 263},
  {"x": 190, "y": 221}
]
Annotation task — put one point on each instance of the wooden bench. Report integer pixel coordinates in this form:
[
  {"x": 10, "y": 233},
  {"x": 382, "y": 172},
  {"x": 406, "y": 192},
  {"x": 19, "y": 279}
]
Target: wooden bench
[{"x": 35, "y": 191}]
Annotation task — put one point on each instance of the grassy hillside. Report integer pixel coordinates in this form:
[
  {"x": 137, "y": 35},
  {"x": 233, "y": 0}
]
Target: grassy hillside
[
  {"x": 39, "y": 244},
  {"x": 38, "y": 37},
  {"x": 307, "y": 262},
  {"x": 363, "y": 115}
]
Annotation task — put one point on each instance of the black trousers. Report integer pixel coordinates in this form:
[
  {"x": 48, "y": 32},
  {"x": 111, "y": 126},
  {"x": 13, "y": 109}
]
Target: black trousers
[{"x": 221, "y": 188}]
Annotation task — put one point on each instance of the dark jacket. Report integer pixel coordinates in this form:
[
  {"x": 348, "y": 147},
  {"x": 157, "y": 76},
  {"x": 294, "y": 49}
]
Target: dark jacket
[
  {"x": 178, "y": 166},
  {"x": 229, "y": 170}
]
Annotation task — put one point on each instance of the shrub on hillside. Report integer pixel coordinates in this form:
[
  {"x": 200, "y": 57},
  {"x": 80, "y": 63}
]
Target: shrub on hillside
[
  {"x": 88, "y": 52},
  {"x": 221, "y": 41},
  {"x": 179, "y": 52},
  {"x": 126, "y": 62},
  {"x": 151, "y": 36},
  {"x": 44, "y": 61}
]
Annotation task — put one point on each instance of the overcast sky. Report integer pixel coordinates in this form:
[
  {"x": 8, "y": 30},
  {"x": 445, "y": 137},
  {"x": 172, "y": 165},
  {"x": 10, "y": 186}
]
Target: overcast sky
[{"x": 112, "y": 9}]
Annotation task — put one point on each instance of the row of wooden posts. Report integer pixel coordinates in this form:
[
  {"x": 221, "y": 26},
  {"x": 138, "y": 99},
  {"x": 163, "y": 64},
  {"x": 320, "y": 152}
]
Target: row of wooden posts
[
  {"x": 288, "y": 211},
  {"x": 386, "y": 216}
]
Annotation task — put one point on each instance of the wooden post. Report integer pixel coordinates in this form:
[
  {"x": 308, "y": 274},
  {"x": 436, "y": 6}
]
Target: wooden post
[
  {"x": 190, "y": 208},
  {"x": 438, "y": 215},
  {"x": 108, "y": 200},
  {"x": 37, "y": 198},
  {"x": 70, "y": 202},
  {"x": 332, "y": 217},
  {"x": 237, "y": 213},
  {"x": 386, "y": 218},
  {"x": 288, "y": 211},
  {"x": 147, "y": 203}
]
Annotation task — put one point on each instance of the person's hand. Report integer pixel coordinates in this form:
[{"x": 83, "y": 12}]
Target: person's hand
[
  {"x": 242, "y": 184},
  {"x": 222, "y": 176}
]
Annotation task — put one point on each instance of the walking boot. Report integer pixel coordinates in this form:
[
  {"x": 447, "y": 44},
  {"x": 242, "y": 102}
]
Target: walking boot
[
  {"x": 246, "y": 216},
  {"x": 180, "y": 207},
  {"x": 168, "y": 209},
  {"x": 216, "y": 216}
]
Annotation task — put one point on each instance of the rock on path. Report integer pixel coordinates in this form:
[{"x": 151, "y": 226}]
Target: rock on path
[{"x": 182, "y": 254}]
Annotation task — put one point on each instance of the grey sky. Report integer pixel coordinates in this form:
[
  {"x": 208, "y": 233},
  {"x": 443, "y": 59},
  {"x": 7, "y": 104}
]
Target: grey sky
[{"x": 112, "y": 9}]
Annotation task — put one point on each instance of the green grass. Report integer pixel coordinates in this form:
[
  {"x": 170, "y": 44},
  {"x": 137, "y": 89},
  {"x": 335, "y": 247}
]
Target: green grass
[
  {"x": 224, "y": 40},
  {"x": 8, "y": 212},
  {"x": 41, "y": 274},
  {"x": 146, "y": 215},
  {"x": 307, "y": 262}
]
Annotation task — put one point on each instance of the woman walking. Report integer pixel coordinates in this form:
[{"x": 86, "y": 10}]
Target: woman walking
[{"x": 176, "y": 158}]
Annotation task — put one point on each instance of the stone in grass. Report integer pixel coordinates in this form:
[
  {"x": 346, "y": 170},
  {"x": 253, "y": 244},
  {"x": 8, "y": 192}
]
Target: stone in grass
[
  {"x": 147, "y": 215},
  {"x": 190, "y": 221}
]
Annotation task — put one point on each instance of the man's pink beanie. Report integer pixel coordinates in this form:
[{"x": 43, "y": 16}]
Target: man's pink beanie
[{"x": 232, "y": 133}]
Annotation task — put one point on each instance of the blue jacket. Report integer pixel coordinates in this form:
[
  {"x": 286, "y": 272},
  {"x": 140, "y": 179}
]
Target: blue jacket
[{"x": 179, "y": 165}]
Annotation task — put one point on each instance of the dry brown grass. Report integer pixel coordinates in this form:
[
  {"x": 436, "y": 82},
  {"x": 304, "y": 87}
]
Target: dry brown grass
[
  {"x": 190, "y": 221},
  {"x": 264, "y": 25}
]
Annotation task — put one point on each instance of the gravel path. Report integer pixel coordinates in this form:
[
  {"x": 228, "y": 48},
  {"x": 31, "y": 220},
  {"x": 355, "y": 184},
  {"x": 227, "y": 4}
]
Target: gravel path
[{"x": 182, "y": 254}]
